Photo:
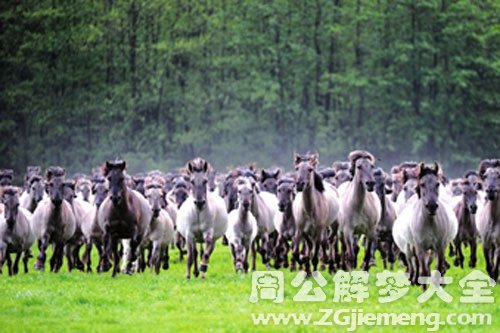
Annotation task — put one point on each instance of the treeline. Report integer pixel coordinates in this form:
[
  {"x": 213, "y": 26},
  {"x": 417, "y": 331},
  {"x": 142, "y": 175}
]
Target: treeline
[{"x": 158, "y": 82}]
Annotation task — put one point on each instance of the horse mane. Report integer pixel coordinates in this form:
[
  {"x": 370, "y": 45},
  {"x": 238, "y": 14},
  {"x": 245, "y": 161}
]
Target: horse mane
[
  {"x": 54, "y": 171},
  {"x": 116, "y": 164},
  {"x": 7, "y": 173},
  {"x": 286, "y": 179},
  {"x": 410, "y": 173},
  {"x": 378, "y": 172},
  {"x": 395, "y": 169},
  {"x": 312, "y": 157},
  {"x": 337, "y": 166},
  {"x": 198, "y": 164},
  {"x": 470, "y": 173},
  {"x": 270, "y": 173},
  {"x": 486, "y": 164},
  {"x": 356, "y": 155},
  {"x": 154, "y": 181},
  {"x": 426, "y": 169},
  {"x": 34, "y": 178},
  {"x": 327, "y": 173},
  {"x": 10, "y": 190}
]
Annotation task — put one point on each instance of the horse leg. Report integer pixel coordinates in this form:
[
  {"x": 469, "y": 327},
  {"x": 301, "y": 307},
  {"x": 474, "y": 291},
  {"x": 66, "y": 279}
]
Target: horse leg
[
  {"x": 278, "y": 263},
  {"x": 368, "y": 252},
  {"x": 423, "y": 268},
  {"x": 460, "y": 255},
  {"x": 155, "y": 257},
  {"x": 391, "y": 258},
  {"x": 254, "y": 254},
  {"x": 166, "y": 259},
  {"x": 196, "y": 272},
  {"x": 87, "y": 255},
  {"x": 26, "y": 257},
  {"x": 135, "y": 243},
  {"x": 245, "y": 262},
  {"x": 15, "y": 269},
  {"x": 487, "y": 258},
  {"x": 43, "y": 244},
  {"x": 191, "y": 250},
  {"x": 451, "y": 251},
  {"x": 113, "y": 246},
  {"x": 264, "y": 246},
  {"x": 180, "y": 242},
  {"x": 349, "y": 253},
  {"x": 473, "y": 249},
  {"x": 9, "y": 264},
  {"x": 209, "y": 248},
  {"x": 316, "y": 246},
  {"x": 106, "y": 251},
  {"x": 496, "y": 264},
  {"x": 296, "y": 247},
  {"x": 78, "y": 264}
]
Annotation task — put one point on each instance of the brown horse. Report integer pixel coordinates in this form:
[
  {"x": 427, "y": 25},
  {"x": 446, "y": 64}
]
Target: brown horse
[
  {"x": 467, "y": 234},
  {"x": 124, "y": 214}
]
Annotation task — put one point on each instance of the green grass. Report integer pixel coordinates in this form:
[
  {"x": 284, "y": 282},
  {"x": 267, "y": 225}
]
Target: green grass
[{"x": 81, "y": 302}]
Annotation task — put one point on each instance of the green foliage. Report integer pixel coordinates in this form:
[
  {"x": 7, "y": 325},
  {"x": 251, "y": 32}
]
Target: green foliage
[{"x": 161, "y": 81}]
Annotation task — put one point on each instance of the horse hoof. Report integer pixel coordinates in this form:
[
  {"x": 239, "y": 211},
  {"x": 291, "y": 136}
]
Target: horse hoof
[
  {"x": 196, "y": 273},
  {"x": 39, "y": 267}
]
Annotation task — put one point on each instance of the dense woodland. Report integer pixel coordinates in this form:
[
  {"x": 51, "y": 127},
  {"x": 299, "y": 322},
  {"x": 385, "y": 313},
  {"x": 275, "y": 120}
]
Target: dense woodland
[{"x": 158, "y": 82}]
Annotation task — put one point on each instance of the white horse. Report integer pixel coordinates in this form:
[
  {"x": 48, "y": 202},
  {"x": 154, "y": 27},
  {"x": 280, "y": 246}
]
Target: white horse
[{"x": 202, "y": 218}]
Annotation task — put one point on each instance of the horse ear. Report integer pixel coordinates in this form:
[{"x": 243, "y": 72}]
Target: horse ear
[
  {"x": 277, "y": 173},
  {"x": 314, "y": 159},
  {"x": 123, "y": 165},
  {"x": 263, "y": 174},
  {"x": 296, "y": 158},
  {"x": 205, "y": 166},
  {"x": 189, "y": 167},
  {"x": 419, "y": 169}
]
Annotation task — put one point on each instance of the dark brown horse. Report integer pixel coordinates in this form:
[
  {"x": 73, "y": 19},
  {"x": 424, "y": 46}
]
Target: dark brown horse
[
  {"x": 124, "y": 214},
  {"x": 467, "y": 234}
]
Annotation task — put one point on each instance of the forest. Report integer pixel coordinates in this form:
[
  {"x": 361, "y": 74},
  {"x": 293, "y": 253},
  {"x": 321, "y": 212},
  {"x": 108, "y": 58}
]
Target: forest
[{"x": 158, "y": 82}]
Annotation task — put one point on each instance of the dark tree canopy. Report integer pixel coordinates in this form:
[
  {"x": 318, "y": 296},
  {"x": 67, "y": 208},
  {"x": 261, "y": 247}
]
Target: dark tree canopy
[{"x": 158, "y": 82}]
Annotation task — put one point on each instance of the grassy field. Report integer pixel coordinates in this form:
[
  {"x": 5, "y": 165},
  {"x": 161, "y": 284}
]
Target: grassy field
[{"x": 80, "y": 302}]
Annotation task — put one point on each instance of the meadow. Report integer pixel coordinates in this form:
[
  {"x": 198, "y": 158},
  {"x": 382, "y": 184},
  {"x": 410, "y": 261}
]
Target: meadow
[{"x": 91, "y": 302}]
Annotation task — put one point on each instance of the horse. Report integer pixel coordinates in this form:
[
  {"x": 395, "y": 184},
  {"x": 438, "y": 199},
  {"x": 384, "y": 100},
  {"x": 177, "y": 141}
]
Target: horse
[
  {"x": 433, "y": 224},
  {"x": 54, "y": 221},
  {"x": 385, "y": 241},
  {"x": 33, "y": 193},
  {"x": 342, "y": 173},
  {"x": 161, "y": 232},
  {"x": 242, "y": 226},
  {"x": 269, "y": 180},
  {"x": 315, "y": 209},
  {"x": 85, "y": 214},
  {"x": 360, "y": 208},
  {"x": 488, "y": 223},
  {"x": 465, "y": 211},
  {"x": 124, "y": 214},
  {"x": 202, "y": 218},
  {"x": 92, "y": 232},
  {"x": 16, "y": 232},
  {"x": 284, "y": 222}
]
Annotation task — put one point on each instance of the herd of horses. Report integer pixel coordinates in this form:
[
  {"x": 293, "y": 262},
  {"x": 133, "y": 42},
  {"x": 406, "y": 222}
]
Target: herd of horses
[{"x": 311, "y": 218}]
